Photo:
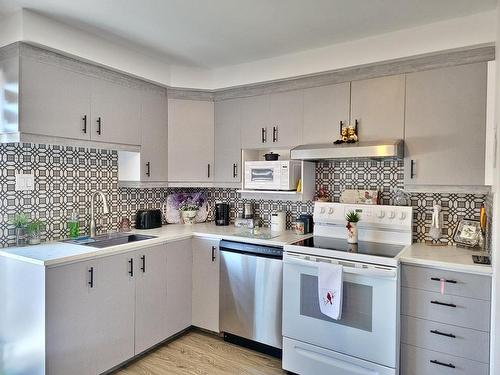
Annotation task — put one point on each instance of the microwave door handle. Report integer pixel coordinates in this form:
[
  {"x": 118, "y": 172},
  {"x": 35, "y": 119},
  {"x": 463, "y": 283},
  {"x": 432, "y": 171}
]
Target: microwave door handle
[{"x": 369, "y": 272}]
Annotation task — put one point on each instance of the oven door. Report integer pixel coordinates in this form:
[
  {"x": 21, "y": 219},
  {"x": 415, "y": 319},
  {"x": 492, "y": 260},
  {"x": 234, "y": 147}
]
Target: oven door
[
  {"x": 369, "y": 326},
  {"x": 262, "y": 176}
]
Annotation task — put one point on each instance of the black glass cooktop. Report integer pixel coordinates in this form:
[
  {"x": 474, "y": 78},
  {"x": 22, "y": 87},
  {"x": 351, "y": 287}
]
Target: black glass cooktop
[{"x": 362, "y": 247}]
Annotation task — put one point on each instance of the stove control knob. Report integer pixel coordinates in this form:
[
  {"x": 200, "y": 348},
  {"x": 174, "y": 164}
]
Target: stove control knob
[
  {"x": 323, "y": 210},
  {"x": 380, "y": 214},
  {"x": 402, "y": 215},
  {"x": 330, "y": 211},
  {"x": 392, "y": 215}
]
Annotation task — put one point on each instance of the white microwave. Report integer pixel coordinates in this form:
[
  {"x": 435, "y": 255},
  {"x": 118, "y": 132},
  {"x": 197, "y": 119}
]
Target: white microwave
[{"x": 272, "y": 175}]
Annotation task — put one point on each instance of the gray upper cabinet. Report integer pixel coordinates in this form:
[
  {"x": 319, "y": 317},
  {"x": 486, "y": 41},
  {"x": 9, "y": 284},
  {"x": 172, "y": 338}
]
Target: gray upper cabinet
[
  {"x": 445, "y": 126},
  {"x": 227, "y": 141},
  {"x": 378, "y": 104},
  {"x": 324, "y": 108},
  {"x": 55, "y": 102},
  {"x": 154, "y": 141},
  {"x": 116, "y": 113},
  {"x": 285, "y": 115},
  {"x": 190, "y": 140},
  {"x": 255, "y": 126}
]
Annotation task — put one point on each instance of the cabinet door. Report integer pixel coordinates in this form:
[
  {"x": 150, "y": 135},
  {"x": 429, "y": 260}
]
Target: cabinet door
[
  {"x": 446, "y": 126},
  {"x": 255, "y": 128},
  {"x": 227, "y": 141},
  {"x": 286, "y": 116},
  {"x": 151, "y": 297},
  {"x": 179, "y": 286},
  {"x": 116, "y": 113},
  {"x": 54, "y": 101},
  {"x": 190, "y": 140},
  {"x": 114, "y": 306},
  {"x": 206, "y": 284},
  {"x": 324, "y": 108},
  {"x": 378, "y": 105},
  {"x": 70, "y": 320},
  {"x": 154, "y": 144}
]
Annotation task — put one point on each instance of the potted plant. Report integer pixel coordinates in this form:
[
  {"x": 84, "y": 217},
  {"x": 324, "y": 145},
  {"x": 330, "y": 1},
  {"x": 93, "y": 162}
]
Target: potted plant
[
  {"x": 33, "y": 229},
  {"x": 188, "y": 212},
  {"x": 352, "y": 218},
  {"x": 20, "y": 222}
]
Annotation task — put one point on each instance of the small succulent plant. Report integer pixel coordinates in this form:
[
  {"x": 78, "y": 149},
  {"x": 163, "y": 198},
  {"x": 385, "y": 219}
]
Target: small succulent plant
[
  {"x": 20, "y": 220},
  {"x": 352, "y": 217}
]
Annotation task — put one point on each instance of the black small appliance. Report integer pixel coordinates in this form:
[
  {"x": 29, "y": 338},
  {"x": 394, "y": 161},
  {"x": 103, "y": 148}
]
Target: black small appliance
[
  {"x": 221, "y": 214},
  {"x": 148, "y": 219}
]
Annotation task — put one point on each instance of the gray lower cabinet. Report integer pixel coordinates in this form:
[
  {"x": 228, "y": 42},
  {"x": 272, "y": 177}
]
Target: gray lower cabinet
[
  {"x": 55, "y": 102},
  {"x": 444, "y": 331},
  {"x": 190, "y": 140},
  {"x": 378, "y": 104},
  {"x": 324, "y": 108},
  {"x": 227, "y": 141},
  {"x": 445, "y": 126},
  {"x": 154, "y": 137},
  {"x": 102, "y": 312}
]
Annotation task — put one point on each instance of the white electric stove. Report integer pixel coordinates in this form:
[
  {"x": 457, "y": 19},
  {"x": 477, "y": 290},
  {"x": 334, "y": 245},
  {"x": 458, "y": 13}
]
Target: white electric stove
[{"x": 366, "y": 339}]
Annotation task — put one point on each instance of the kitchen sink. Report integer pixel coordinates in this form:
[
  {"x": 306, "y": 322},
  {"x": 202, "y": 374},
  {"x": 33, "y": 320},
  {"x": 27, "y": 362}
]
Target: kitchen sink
[{"x": 107, "y": 240}]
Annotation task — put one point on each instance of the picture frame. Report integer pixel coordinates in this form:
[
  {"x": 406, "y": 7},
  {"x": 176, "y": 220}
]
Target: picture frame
[{"x": 467, "y": 233}]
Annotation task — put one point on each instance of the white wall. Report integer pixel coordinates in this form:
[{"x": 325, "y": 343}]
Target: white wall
[
  {"x": 495, "y": 314},
  {"x": 459, "y": 32},
  {"x": 10, "y": 29}
]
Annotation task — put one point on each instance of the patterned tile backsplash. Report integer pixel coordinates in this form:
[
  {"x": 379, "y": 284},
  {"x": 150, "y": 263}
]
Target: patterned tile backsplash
[{"x": 65, "y": 178}]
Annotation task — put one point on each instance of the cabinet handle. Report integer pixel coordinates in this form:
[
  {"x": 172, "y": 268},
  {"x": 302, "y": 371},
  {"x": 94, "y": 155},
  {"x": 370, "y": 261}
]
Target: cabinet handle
[
  {"x": 450, "y": 365},
  {"x": 148, "y": 169},
  {"x": 235, "y": 170},
  {"x": 443, "y": 304},
  {"x": 264, "y": 135},
  {"x": 448, "y": 281},
  {"x": 213, "y": 253},
  {"x": 412, "y": 168},
  {"x": 436, "y": 332},
  {"x": 275, "y": 134},
  {"x": 131, "y": 271},
  {"x": 99, "y": 126},
  {"x": 91, "y": 282},
  {"x": 143, "y": 267},
  {"x": 208, "y": 170},
  {"x": 84, "y": 129},
  {"x": 340, "y": 128}
]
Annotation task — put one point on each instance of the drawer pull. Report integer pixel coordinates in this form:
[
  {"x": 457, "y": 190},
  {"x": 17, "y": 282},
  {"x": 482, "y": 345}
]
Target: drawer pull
[
  {"x": 450, "y": 365},
  {"x": 436, "y": 332},
  {"x": 448, "y": 281},
  {"x": 443, "y": 304}
]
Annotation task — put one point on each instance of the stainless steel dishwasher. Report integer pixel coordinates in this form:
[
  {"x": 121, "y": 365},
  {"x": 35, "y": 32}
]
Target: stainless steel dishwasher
[{"x": 251, "y": 285}]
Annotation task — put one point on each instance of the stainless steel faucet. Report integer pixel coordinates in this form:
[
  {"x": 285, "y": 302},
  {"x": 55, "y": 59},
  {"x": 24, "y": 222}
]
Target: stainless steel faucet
[{"x": 105, "y": 210}]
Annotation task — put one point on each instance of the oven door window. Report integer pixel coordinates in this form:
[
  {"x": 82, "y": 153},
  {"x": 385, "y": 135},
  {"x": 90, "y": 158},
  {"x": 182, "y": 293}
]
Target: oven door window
[
  {"x": 356, "y": 303},
  {"x": 262, "y": 174}
]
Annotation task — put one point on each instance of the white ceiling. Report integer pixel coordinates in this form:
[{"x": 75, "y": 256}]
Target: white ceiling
[{"x": 216, "y": 33}]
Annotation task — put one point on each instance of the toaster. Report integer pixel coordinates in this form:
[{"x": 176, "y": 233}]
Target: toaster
[{"x": 148, "y": 219}]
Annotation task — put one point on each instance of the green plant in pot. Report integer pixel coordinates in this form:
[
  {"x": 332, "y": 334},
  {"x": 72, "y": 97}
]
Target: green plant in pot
[
  {"x": 188, "y": 212},
  {"x": 352, "y": 218},
  {"x": 34, "y": 229},
  {"x": 20, "y": 222}
]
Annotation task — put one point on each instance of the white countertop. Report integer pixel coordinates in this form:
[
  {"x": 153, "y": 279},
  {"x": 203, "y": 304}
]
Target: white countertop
[
  {"x": 444, "y": 257},
  {"x": 56, "y": 253}
]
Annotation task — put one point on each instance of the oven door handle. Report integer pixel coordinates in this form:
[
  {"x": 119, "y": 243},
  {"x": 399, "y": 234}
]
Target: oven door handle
[{"x": 371, "y": 271}]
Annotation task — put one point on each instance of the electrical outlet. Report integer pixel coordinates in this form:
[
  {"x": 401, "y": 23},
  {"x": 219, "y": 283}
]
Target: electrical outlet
[{"x": 25, "y": 182}]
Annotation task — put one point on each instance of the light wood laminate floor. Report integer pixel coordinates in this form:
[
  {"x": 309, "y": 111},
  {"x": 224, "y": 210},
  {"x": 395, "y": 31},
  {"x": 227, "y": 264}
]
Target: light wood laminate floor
[{"x": 200, "y": 353}]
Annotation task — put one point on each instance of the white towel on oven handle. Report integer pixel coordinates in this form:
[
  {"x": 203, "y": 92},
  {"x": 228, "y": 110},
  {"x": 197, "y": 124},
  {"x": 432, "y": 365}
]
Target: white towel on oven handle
[{"x": 330, "y": 289}]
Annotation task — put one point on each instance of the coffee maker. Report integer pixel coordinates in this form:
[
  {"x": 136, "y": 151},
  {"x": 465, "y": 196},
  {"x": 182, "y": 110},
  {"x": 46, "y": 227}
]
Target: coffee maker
[{"x": 221, "y": 214}]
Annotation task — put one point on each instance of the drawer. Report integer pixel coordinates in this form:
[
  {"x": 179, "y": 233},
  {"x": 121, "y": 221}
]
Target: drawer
[
  {"x": 417, "y": 361},
  {"x": 453, "y": 340},
  {"x": 457, "y": 283},
  {"x": 459, "y": 311}
]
